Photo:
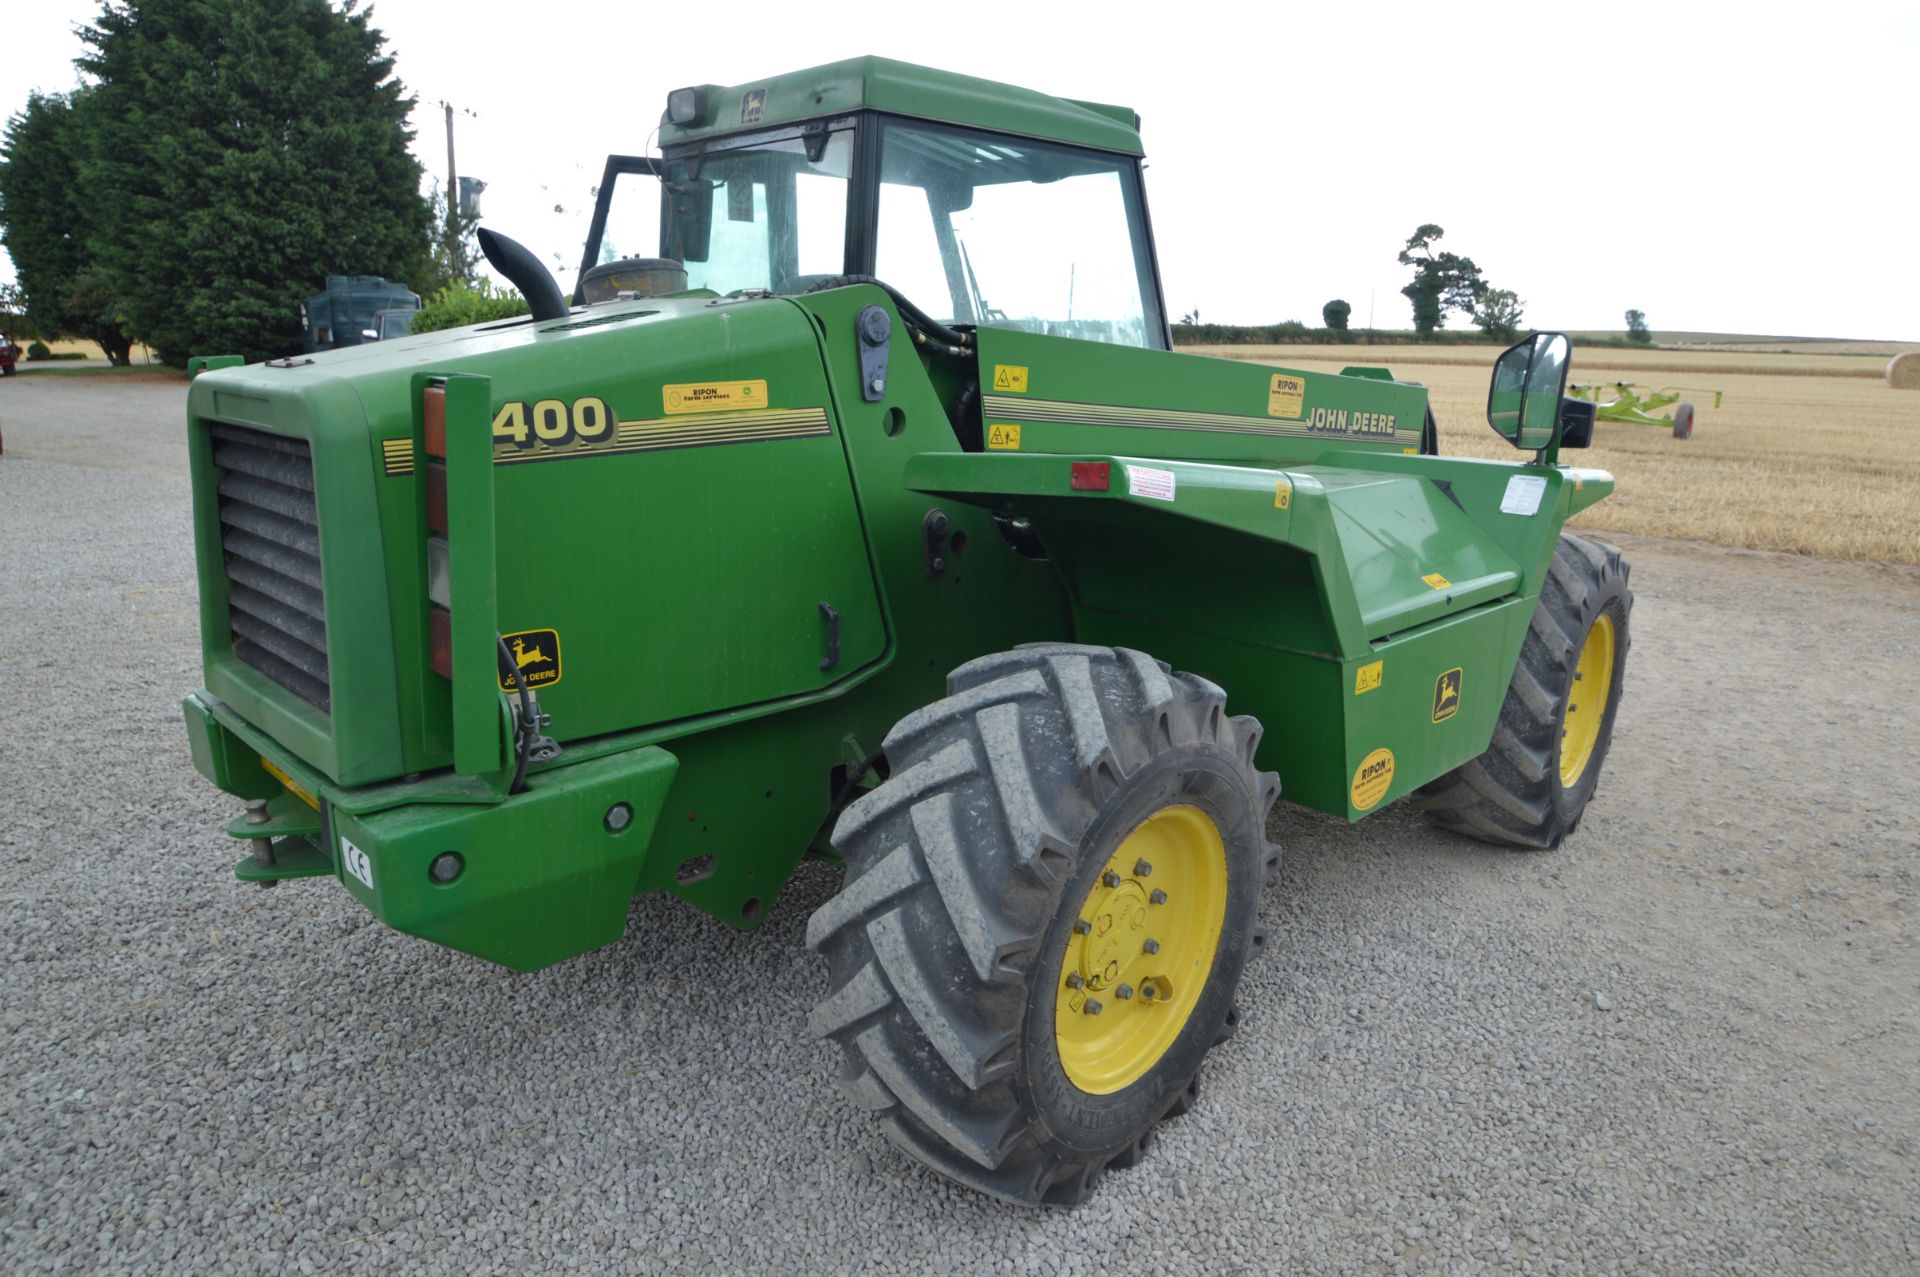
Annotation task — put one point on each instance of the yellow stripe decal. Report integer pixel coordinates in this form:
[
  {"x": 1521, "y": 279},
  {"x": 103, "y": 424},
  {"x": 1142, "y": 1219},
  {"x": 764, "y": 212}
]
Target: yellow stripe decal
[
  {"x": 397, "y": 455},
  {"x": 657, "y": 434}
]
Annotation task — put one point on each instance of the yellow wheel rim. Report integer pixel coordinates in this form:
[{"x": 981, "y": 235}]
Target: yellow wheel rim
[
  {"x": 1587, "y": 702},
  {"x": 1141, "y": 949}
]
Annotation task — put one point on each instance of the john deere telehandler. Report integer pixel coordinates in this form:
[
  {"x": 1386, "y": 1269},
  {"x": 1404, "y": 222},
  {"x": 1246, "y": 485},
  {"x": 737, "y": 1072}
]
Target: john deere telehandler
[{"x": 855, "y": 506}]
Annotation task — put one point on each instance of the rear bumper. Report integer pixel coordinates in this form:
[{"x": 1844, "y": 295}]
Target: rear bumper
[{"x": 542, "y": 876}]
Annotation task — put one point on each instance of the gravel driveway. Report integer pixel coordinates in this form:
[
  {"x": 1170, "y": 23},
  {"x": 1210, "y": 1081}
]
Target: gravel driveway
[{"x": 1685, "y": 1042}]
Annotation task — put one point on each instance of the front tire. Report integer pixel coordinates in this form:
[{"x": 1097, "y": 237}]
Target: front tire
[
  {"x": 1533, "y": 784},
  {"x": 1060, "y": 809},
  {"x": 1683, "y": 421}
]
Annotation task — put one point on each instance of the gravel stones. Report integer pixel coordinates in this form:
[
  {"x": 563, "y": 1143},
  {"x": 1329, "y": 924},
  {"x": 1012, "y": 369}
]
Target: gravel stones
[{"x": 203, "y": 1077}]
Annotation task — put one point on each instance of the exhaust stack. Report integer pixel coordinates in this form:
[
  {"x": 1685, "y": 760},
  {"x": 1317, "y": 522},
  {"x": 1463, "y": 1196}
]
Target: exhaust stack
[{"x": 524, "y": 271}]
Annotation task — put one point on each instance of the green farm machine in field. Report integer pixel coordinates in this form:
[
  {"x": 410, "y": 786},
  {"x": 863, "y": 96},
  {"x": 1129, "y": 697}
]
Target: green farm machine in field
[
  {"x": 1631, "y": 402},
  {"x": 894, "y": 535}
]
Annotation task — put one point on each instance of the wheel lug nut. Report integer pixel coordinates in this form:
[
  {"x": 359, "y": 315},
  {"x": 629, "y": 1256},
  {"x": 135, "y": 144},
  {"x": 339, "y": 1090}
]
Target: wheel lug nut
[
  {"x": 1146, "y": 990},
  {"x": 1158, "y": 897},
  {"x": 1075, "y": 980},
  {"x": 1123, "y": 992},
  {"x": 1141, "y": 868},
  {"x": 1092, "y": 1007},
  {"x": 1081, "y": 926},
  {"x": 1111, "y": 878},
  {"x": 1150, "y": 946}
]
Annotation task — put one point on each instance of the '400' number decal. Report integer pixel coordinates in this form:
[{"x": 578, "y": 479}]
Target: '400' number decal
[{"x": 551, "y": 423}]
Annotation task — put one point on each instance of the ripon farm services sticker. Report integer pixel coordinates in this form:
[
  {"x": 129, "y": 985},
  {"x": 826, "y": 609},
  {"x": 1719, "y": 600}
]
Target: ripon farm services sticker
[
  {"x": 1372, "y": 779},
  {"x": 714, "y": 396},
  {"x": 1286, "y": 395}
]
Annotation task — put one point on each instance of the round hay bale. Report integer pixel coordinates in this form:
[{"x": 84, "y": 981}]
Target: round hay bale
[{"x": 1903, "y": 371}]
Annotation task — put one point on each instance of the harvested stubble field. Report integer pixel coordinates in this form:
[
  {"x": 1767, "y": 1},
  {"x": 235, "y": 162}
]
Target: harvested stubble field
[{"x": 1809, "y": 454}]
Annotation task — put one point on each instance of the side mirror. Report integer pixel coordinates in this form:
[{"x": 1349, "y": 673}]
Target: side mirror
[
  {"x": 1576, "y": 422},
  {"x": 1523, "y": 403}
]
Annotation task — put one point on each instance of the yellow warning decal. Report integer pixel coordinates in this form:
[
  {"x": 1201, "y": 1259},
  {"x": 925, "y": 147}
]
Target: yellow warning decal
[
  {"x": 1282, "y": 494},
  {"x": 293, "y": 787},
  {"x": 1446, "y": 695},
  {"x": 1003, "y": 438},
  {"x": 535, "y": 653},
  {"x": 714, "y": 396},
  {"x": 1437, "y": 581},
  {"x": 1010, "y": 379},
  {"x": 1372, "y": 780},
  {"x": 1286, "y": 395},
  {"x": 1367, "y": 677}
]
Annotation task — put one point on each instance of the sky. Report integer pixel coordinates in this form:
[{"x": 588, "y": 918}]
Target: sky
[{"x": 1722, "y": 168}]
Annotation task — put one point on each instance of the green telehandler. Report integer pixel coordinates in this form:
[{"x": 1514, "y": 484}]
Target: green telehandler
[{"x": 855, "y": 506}]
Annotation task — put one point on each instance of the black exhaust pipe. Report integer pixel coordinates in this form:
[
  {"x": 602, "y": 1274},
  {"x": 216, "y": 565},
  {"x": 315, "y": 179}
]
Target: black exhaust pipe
[{"x": 524, "y": 271}]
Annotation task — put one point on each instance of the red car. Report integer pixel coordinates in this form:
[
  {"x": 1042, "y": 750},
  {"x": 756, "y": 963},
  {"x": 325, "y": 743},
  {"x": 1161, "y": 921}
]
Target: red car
[{"x": 9, "y": 355}]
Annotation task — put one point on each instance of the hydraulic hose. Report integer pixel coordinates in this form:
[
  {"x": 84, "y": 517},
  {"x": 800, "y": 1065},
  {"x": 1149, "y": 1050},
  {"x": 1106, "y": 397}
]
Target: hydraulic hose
[
  {"x": 931, "y": 331},
  {"x": 528, "y": 724}
]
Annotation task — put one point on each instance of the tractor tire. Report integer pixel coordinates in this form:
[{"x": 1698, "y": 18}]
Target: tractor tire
[
  {"x": 1533, "y": 784},
  {"x": 1030, "y": 806},
  {"x": 1683, "y": 421}
]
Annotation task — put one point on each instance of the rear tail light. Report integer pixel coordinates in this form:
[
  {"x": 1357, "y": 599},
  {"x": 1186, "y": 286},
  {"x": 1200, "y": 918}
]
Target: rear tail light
[
  {"x": 434, "y": 409},
  {"x": 1090, "y": 476},
  {"x": 436, "y": 474},
  {"x": 440, "y": 641}
]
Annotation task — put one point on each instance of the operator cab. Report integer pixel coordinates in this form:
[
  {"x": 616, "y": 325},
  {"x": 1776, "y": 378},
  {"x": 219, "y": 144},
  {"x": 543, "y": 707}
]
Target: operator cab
[{"x": 977, "y": 226}]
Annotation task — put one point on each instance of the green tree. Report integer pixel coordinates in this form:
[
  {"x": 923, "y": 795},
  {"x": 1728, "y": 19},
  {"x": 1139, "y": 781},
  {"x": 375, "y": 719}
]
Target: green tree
[
  {"x": 1336, "y": 313},
  {"x": 237, "y": 153},
  {"x": 13, "y": 313},
  {"x": 45, "y": 218},
  {"x": 1637, "y": 328},
  {"x": 459, "y": 303},
  {"x": 1498, "y": 313},
  {"x": 1441, "y": 281},
  {"x": 450, "y": 257}
]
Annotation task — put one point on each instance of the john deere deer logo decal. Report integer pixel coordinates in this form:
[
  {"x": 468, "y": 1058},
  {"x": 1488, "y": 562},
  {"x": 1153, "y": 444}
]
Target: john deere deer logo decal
[
  {"x": 1446, "y": 696},
  {"x": 536, "y": 655}
]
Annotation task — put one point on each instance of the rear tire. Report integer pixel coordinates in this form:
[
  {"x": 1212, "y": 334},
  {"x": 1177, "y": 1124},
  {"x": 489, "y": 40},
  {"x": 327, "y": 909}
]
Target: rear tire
[
  {"x": 950, "y": 943},
  {"x": 1683, "y": 421},
  {"x": 1534, "y": 782}
]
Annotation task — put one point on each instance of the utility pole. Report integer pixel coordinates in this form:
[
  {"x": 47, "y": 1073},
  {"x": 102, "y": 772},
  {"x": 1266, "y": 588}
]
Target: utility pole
[
  {"x": 456, "y": 257},
  {"x": 453, "y": 176}
]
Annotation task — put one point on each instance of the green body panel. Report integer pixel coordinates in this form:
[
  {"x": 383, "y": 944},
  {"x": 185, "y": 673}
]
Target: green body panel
[
  {"x": 885, "y": 85},
  {"x": 544, "y": 876},
  {"x": 1285, "y": 606},
  {"x": 1084, "y": 396},
  {"x": 727, "y": 540}
]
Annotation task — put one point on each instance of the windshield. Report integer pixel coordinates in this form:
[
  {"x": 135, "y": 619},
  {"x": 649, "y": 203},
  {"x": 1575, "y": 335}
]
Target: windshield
[
  {"x": 764, "y": 216},
  {"x": 974, "y": 227},
  {"x": 1005, "y": 232}
]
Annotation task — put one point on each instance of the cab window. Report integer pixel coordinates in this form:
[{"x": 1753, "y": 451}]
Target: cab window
[{"x": 999, "y": 231}]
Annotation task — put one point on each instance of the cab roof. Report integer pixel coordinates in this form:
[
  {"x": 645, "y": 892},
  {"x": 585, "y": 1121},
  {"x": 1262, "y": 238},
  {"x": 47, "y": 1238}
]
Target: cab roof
[{"x": 902, "y": 88}]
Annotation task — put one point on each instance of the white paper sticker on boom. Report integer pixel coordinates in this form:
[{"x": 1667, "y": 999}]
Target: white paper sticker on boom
[
  {"x": 1523, "y": 494},
  {"x": 1145, "y": 481}
]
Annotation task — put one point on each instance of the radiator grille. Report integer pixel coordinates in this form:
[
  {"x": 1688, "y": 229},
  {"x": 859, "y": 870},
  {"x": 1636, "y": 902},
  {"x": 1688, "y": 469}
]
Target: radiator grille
[{"x": 270, "y": 539}]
